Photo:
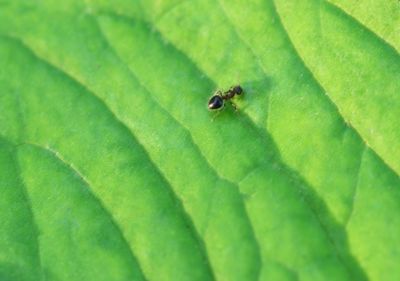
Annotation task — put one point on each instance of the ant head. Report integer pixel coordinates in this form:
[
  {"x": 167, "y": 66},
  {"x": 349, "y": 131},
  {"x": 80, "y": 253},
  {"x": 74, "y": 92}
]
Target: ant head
[{"x": 237, "y": 90}]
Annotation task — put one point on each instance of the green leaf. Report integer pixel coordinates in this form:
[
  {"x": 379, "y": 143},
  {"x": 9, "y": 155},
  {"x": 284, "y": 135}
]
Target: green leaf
[{"x": 111, "y": 167}]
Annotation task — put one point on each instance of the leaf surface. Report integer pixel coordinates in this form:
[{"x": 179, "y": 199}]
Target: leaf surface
[{"x": 112, "y": 168}]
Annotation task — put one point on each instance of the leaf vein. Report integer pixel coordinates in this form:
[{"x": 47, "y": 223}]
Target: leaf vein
[
  {"x": 359, "y": 23},
  {"x": 322, "y": 224},
  {"x": 326, "y": 94},
  {"x": 86, "y": 182},
  {"x": 192, "y": 141},
  {"x": 186, "y": 217},
  {"x": 356, "y": 187},
  {"x": 30, "y": 208}
]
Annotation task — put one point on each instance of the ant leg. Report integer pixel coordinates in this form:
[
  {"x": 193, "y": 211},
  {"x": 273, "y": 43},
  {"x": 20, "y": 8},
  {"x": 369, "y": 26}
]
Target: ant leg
[
  {"x": 215, "y": 115},
  {"x": 218, "y": 93},
  {"x": 234, "y": 106}
]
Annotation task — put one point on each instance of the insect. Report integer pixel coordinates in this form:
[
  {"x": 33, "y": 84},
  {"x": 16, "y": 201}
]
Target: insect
[{"x": 217, "y": 101}]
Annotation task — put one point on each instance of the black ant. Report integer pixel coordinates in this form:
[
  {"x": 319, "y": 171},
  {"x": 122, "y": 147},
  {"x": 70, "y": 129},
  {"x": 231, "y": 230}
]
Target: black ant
[{"x": 217, "y": 101}]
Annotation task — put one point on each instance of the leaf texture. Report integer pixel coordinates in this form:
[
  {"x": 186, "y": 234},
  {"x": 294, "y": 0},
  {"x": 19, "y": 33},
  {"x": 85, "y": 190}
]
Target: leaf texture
[{"x": 112, "y": 168}]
